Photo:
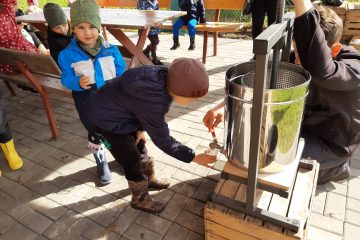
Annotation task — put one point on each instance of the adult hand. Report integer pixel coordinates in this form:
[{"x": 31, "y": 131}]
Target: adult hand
[
  {"x": 212, "y": 119},
  {"x": 84, "y": 82},
  {"x": 204, "y": 159},
  {"x": 140, "y": 135}
]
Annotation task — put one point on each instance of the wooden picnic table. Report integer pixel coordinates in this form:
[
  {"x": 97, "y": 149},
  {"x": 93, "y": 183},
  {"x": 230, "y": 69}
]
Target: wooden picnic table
[{"x": 115, "y": 20}]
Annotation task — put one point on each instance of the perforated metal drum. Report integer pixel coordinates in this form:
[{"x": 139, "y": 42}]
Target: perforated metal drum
[{"x": 282, "y": 115}]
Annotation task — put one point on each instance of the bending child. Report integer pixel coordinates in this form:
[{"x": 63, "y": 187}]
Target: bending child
[
  {"x": 86, "y": 64},
  {"x": 153, "y": 34},
  {"x": 138, "y": 101},
  {"x": 195, "y": 13}
]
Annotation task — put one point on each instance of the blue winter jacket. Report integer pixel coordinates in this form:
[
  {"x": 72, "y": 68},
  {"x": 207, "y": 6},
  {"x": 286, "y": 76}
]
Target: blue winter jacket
[
  {"x": 74, "y": 63},
  {"x": 138, "y": 100}
]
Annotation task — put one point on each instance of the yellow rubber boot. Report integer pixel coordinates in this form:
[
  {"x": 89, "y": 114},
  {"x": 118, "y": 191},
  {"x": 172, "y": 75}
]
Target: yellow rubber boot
[{"x": 11, "y": 155}]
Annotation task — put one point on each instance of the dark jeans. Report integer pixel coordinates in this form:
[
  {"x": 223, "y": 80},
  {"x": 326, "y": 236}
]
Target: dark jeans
[
  {"x": 259, "y": 9},
  {"x": 154, "y": 41},
  {"x": 5, "y": 131},
  {"x": 81, "y": 104},
  {"x": 316, "y": 149},
  {"x": 126, "y": 152}
]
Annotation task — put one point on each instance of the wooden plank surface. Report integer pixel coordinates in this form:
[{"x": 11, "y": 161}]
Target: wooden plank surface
[
  {"x": 302, "y": 195},
  {"x": 222, "y": 221},
  {"x": 219, "y": 219},
  {"x": 37, "y": 63},
  {"x": 122, "y": 18},
  {"x": 50, "y": 84},
  {"x": 210, "y": 26},
  {"x": 355, "y": 42},
  {"x": 211, "y": 236},
  {"x": 209, "y": 4},
  {"x": 129, "y": 3},
  {"x": 282, "y": 180}
]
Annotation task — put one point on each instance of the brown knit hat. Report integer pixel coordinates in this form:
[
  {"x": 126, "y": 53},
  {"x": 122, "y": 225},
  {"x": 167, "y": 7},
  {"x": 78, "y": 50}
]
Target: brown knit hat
[{"x": 187, "y": 77}]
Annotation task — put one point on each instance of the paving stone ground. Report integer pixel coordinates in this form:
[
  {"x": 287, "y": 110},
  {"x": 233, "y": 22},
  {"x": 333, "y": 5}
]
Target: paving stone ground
[{"x": 56, "y": 194}]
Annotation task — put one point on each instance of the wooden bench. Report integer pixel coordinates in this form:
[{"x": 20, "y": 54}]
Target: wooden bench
[
  {"x": 37, "y": 71},
  {"x": 355, "y": 42},
  {"x": 214, "y": 26}
]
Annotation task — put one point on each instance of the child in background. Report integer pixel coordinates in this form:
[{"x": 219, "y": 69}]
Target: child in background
[
  {"x": 59, "y": 34},
  {"x": 195, "y": 13},
  {"x": 153, "y": 35},
  {"x": 86, "y": 64},
  {"x": 29, "y": 35},
  {"x": 33, "y": 7},
  {"x": 11, "y": 36}
]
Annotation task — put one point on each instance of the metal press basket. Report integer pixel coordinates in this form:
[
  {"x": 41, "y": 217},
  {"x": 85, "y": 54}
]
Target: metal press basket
[{"x": 282, "y": 115}]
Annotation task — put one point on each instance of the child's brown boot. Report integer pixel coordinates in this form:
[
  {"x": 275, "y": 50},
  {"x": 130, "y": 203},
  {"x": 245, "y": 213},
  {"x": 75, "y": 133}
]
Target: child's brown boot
[
  {"x": 141, "y": 198},
  {"x": 147, "y": 168}
]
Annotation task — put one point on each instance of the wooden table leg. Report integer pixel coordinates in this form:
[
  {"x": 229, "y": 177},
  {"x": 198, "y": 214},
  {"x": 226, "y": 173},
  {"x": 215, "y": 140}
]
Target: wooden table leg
[
  {"x": 135, "y": 50},
  {"x": 215, "y": 43},
  {"x": 206, "y": 34}
]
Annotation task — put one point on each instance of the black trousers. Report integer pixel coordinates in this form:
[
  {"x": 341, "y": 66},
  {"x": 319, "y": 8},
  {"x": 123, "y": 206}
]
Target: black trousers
[
  {"x": 126, "y": 152},
  {"x": 259, "y": 9},
  {"x": 81, "y": 104},
  {"x": 5, "y": 131},
  {"x": 316, "y": 149},
  {"x": 154, "y": 41}
]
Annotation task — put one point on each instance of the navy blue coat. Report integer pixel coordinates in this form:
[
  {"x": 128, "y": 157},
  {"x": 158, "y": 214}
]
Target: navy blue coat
[
  {"x": 138, "y": 100},
  {"x": 57, "y": 42},
  {"x": 194, "y": 8}
]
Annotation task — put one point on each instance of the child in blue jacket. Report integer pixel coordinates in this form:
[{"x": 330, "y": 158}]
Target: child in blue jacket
[
  {"x": 195, "y": 13},
  {"x": 86, "y": 64}
]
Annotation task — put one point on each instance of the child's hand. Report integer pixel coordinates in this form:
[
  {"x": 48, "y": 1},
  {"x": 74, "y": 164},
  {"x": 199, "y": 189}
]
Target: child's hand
[
  {"x": 140, "y": 135},
  {"x": 204, "y": 160},
  {"x": 84, "y": 82}
]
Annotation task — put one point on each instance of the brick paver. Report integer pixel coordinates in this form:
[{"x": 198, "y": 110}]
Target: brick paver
[{"x": 56, "y": 194}]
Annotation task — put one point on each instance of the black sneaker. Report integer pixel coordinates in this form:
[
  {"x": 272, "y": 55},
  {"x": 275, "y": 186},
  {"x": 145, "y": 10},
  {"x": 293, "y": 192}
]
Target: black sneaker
[
  {"x": 334, "y": 174},
  {"x": 103, "y": 169}
]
